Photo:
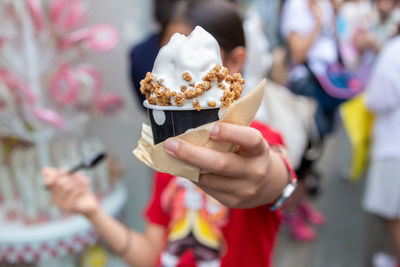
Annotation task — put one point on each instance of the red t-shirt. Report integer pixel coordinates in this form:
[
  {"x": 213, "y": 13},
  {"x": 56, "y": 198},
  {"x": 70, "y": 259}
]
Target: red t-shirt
[{"x": 250, "y": 234}]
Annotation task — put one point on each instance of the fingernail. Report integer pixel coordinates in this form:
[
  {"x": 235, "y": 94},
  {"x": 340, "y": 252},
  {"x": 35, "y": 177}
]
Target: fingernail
[
  {"x": 215, "y": 130},
  {"x": 171, "y": 145}
]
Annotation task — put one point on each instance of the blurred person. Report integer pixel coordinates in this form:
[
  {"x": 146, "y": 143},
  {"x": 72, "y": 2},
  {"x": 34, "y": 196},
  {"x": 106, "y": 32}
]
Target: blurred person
[
  {"x": 383, "y": 26},
  {"x": 245, "y": 181},
  {"x": 353, "y": 17},
  {"x": 382, "y": 195},
  {"x": 308, "y": 27},
  {"x": 364, "y": 27},
  {"x": 143, "y": 54},
  {"x": 269, "y": 11}
]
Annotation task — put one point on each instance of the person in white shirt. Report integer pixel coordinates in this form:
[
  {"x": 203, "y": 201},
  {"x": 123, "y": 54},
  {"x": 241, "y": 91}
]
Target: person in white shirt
[
  {"x": 309, "y": 30},
  {"x": 308, "y": 27},
  {"x": 382, "y": 196}
]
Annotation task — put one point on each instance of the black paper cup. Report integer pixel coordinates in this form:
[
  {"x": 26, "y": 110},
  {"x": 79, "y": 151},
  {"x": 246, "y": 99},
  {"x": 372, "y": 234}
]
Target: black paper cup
[{"x": 170, "y": 121}]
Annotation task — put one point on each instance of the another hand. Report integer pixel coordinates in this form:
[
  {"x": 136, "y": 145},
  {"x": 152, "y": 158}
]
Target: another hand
[
  {"x": 248, "y": 178},
  {"x": 71, "y": 193}
]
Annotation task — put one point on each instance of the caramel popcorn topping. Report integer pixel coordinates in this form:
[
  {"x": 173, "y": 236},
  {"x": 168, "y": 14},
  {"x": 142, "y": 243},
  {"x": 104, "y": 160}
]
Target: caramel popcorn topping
[
  {"x": 157, "y": 94},
  {"x": 189, "y": 94},
  {"x": 179, "y": 99},
  {"x": 196, "y": 105},
  {"x": 211, "y": 104},
  {"x": 186, "y": 76}
]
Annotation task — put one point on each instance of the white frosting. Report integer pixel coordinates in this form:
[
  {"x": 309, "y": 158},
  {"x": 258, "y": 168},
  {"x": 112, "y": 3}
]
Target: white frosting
[{"x": 197, "y": 54}]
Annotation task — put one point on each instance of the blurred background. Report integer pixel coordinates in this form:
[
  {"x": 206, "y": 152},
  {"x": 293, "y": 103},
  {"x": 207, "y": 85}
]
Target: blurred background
[{"x": 69, "y": 75}]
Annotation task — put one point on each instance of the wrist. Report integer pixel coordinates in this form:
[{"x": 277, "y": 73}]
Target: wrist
[
  {"x": 93, "y": 213},
  {"x": 278, "y": 177},
  {"x": 290, "y": 185}
]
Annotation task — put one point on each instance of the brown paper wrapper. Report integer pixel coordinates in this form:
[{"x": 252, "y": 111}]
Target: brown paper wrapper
[{"x": 242, "y": 112}]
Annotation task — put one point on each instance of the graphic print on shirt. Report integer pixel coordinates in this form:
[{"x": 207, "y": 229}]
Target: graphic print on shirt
[{"x": 196, "y": 222}]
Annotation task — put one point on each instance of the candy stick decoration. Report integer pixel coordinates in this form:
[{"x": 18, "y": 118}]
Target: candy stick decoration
[
  {"x": 15, "y": 83},
  {"x": 100, "y": 38},
  {"x": 49, "y": 116},
  {"x": 44, "y": 115},
  {"x": 67, "y": 14}
]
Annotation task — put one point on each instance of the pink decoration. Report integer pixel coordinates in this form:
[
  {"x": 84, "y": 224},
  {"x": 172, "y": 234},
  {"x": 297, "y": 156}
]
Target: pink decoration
[
  {"x": 49, "y": 116},
  {"x": 109, "y": 103},
  {"x": 77, "y": 14},
  {"x": 39, "y": 250},
  {"x": 36, "y": 13},
  {"x": 100, "y": 38},
  {"x": 64, "y": 86},
  {"x": 74, "y": 38},
  {"x": 56, "y": 8},
  {"x": 13, "y": 82},
  {"x": 103, "y": 38},
  {"x": 67, "y": 14}
]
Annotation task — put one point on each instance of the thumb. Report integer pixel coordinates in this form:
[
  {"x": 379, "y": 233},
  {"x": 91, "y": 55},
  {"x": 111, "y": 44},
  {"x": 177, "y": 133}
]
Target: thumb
[{"x": 49, "y": 175}]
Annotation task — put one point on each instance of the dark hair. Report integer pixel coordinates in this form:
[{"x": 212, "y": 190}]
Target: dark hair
[{"x": 220, "y": 18}]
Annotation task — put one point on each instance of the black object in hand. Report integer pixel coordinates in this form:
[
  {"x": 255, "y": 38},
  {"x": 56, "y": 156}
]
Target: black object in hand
[{"x": 89, "y": 163}]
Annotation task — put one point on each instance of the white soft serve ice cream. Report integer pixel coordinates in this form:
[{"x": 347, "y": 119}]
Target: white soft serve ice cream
[{"x": 187, "y": 73}]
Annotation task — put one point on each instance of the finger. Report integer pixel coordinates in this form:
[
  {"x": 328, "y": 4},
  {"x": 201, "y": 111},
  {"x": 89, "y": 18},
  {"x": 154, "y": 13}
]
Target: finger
[
  {"x": 227, "y": 164},
  {"x": 51, "y": 175},
  {"x": 249, "y": 139},
  {"x": 62, "y": 185},
  {"x": 219, "y": 183},
  {"x": 47, "y": 171},
  {"x": 73, "y": 196},
  {"x": 68, "y": 188},
  {"x": 222, "y": 197},
  {"x": 57, "y": 186},
  {"x": 82, "y": 178}
]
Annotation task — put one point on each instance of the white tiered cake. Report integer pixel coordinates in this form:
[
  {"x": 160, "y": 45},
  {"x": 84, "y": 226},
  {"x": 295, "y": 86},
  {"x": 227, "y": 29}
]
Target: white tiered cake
[{"x": 47, "y": 96}]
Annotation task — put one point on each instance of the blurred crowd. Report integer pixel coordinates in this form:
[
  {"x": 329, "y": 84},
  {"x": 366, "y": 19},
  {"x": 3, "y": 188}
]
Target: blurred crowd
[{"x": 318, "y": 56}]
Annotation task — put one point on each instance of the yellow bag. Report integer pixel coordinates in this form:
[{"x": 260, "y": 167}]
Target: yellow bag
[{"x": 358, "y": 121}]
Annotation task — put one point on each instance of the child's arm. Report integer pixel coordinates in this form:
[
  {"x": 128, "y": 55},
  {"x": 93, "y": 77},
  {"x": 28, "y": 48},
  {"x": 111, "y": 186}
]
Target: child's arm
[
  {"x": 253, "y": 176},
  {"x": 72, "y": 194}
]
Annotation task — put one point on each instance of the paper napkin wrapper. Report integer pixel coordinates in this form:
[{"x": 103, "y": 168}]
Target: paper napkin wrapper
[{"x": 241, "y": 112}]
